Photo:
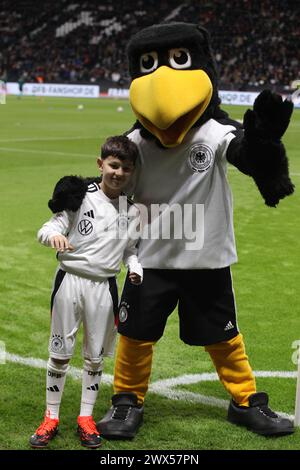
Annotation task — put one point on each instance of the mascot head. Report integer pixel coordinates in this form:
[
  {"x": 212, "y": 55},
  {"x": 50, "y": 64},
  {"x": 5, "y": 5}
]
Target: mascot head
[{"x": 174, "y": 79}]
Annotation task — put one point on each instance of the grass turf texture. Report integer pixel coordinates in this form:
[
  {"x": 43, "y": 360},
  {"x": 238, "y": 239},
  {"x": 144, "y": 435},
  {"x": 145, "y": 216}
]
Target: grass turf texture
[{"x": 44, "y": 139}]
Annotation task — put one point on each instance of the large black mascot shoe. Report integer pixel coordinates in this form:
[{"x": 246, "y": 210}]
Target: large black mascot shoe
[
  {"x": 258, "y": 417},
  {"x": 123, "y": 419}
]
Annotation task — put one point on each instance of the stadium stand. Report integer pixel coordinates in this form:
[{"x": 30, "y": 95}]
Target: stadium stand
[{"x": 256, "y": 42}]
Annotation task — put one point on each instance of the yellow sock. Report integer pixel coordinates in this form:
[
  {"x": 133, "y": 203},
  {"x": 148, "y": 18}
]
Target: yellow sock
[
  {"x": 133, "y": 366},
  {"x": 233, "y": 368}
]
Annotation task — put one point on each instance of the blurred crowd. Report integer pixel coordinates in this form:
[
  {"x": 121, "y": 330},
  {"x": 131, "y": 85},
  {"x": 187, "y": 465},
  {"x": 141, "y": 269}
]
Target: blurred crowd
[{"x": 256, "y": 42}]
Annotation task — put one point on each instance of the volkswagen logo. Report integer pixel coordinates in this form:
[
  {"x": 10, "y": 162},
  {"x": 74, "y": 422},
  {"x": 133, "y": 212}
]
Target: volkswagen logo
[{"x": 85, "y": 227}]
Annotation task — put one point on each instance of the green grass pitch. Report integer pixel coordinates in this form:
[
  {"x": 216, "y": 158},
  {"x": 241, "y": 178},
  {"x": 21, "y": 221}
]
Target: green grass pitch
[{"x": 44, "y": 139}]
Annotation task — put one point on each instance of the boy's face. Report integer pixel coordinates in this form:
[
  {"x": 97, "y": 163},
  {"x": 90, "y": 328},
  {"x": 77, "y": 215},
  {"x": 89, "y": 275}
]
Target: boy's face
[{"x": 115, "y": 175}]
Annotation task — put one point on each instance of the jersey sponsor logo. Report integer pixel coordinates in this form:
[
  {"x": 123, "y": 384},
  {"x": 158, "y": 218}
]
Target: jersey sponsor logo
[
  {"x": 90, "y": 214},
  {"x": 56, "y": 343},
  {"x": 85, "y": 227},
  {"x": 123, "y": 314},
  {"x": 200, "y": 157}
]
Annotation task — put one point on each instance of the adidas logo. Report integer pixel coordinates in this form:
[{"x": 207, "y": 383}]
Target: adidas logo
[
  {"x": 90, "y": 214},
  {"x": 229, "y": 326},
  {"x": 93, "y": 187},
  {"x": 53, "y": 389},
  {"x": 95, "y": 388}
]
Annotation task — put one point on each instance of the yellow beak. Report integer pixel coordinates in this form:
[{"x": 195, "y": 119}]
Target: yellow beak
[{"x": 168, "y": 102}]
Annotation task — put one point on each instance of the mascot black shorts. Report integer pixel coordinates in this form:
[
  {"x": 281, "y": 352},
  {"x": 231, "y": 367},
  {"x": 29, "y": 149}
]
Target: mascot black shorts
[{"x": 205, "y": 299}]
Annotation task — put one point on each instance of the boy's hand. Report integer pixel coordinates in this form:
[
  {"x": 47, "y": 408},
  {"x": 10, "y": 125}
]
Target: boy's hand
[
  {"x": 135, "y": 278},
  {"x": 60, "y": 243}
]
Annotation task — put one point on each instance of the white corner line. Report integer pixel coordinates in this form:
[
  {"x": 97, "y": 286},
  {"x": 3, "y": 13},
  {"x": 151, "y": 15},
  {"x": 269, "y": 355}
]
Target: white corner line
[{"x": 165, "y": 388}]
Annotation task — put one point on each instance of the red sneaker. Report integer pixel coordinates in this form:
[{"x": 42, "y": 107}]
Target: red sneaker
[
  {"x": 89, "y": 436},
  {"x": 44, "y": 433}
]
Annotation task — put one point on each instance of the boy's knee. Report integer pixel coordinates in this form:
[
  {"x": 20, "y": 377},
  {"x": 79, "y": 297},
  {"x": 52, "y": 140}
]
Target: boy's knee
[
  {"x": 93, "y": 365},
  {"x": 58, "y": 366},
  {"x": 60, "y": 361}
]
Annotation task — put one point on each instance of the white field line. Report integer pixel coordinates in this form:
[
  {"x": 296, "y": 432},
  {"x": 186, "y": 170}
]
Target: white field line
[
  {"x": 51, "y": 152},
  {"x": 232, "y": 168},
  {"x": 46, "y": 139},
  {"x": 74, "y": 372},
  {"x": 165, "y": 388},
  {"x": 47, "y": 152}
]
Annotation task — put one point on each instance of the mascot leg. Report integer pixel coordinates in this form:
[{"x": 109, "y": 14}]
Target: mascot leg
[
  {"x": 233, "y": 368},
  {"x": 132, "y": 374},
  {"x": 133, "y": 367},
  {"x": 247, "y": 408}
]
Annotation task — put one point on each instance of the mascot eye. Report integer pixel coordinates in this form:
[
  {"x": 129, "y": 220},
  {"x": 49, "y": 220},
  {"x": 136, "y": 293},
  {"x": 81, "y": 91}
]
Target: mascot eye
[
  {"x": 180, "y": 58},
  {"x": 148, "y": 62}
]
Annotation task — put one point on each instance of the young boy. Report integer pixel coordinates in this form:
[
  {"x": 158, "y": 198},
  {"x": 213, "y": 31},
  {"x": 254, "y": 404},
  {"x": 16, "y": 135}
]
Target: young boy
[{"x": 93, "y": 229}]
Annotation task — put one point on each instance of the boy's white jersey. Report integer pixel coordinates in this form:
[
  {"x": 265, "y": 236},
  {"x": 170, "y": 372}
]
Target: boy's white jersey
[
  {"x": 190, "y": 180},
  {"x": 102, "y": 232}
]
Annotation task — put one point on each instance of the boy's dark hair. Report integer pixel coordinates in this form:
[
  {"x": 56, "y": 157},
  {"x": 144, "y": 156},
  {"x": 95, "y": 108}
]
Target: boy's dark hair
[{"x": 121, "y": 147}]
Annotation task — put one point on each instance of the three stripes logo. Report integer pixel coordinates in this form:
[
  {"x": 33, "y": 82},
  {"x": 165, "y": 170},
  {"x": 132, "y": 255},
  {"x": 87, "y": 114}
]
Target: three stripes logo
[
  {"x": 229, "y": 326},
  {"x": 94, "y": 388},
  {"x": 92, "y": 188},
  {"x": 90, "y": 214},
  {"x": 53, "y": 389}
]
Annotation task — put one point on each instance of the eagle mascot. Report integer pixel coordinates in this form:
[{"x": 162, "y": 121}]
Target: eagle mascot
[{"x": 185, "y": 143}]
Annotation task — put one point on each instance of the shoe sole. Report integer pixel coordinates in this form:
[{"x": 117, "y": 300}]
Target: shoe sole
[
  {"x": 35, "y": 446},
  {"x": 118, "y": 435},
  {"x": 38, "y": 447},
  {"x": 265, "y": 432},
  {"x": 91, "y": 447},
  {"x": 95, "y": 446}
]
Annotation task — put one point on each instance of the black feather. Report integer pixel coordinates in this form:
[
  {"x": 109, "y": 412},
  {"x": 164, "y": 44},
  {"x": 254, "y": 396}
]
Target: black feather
[
  {"x": 69, "y": 193},
  {"x": 266, "y": 161}
]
